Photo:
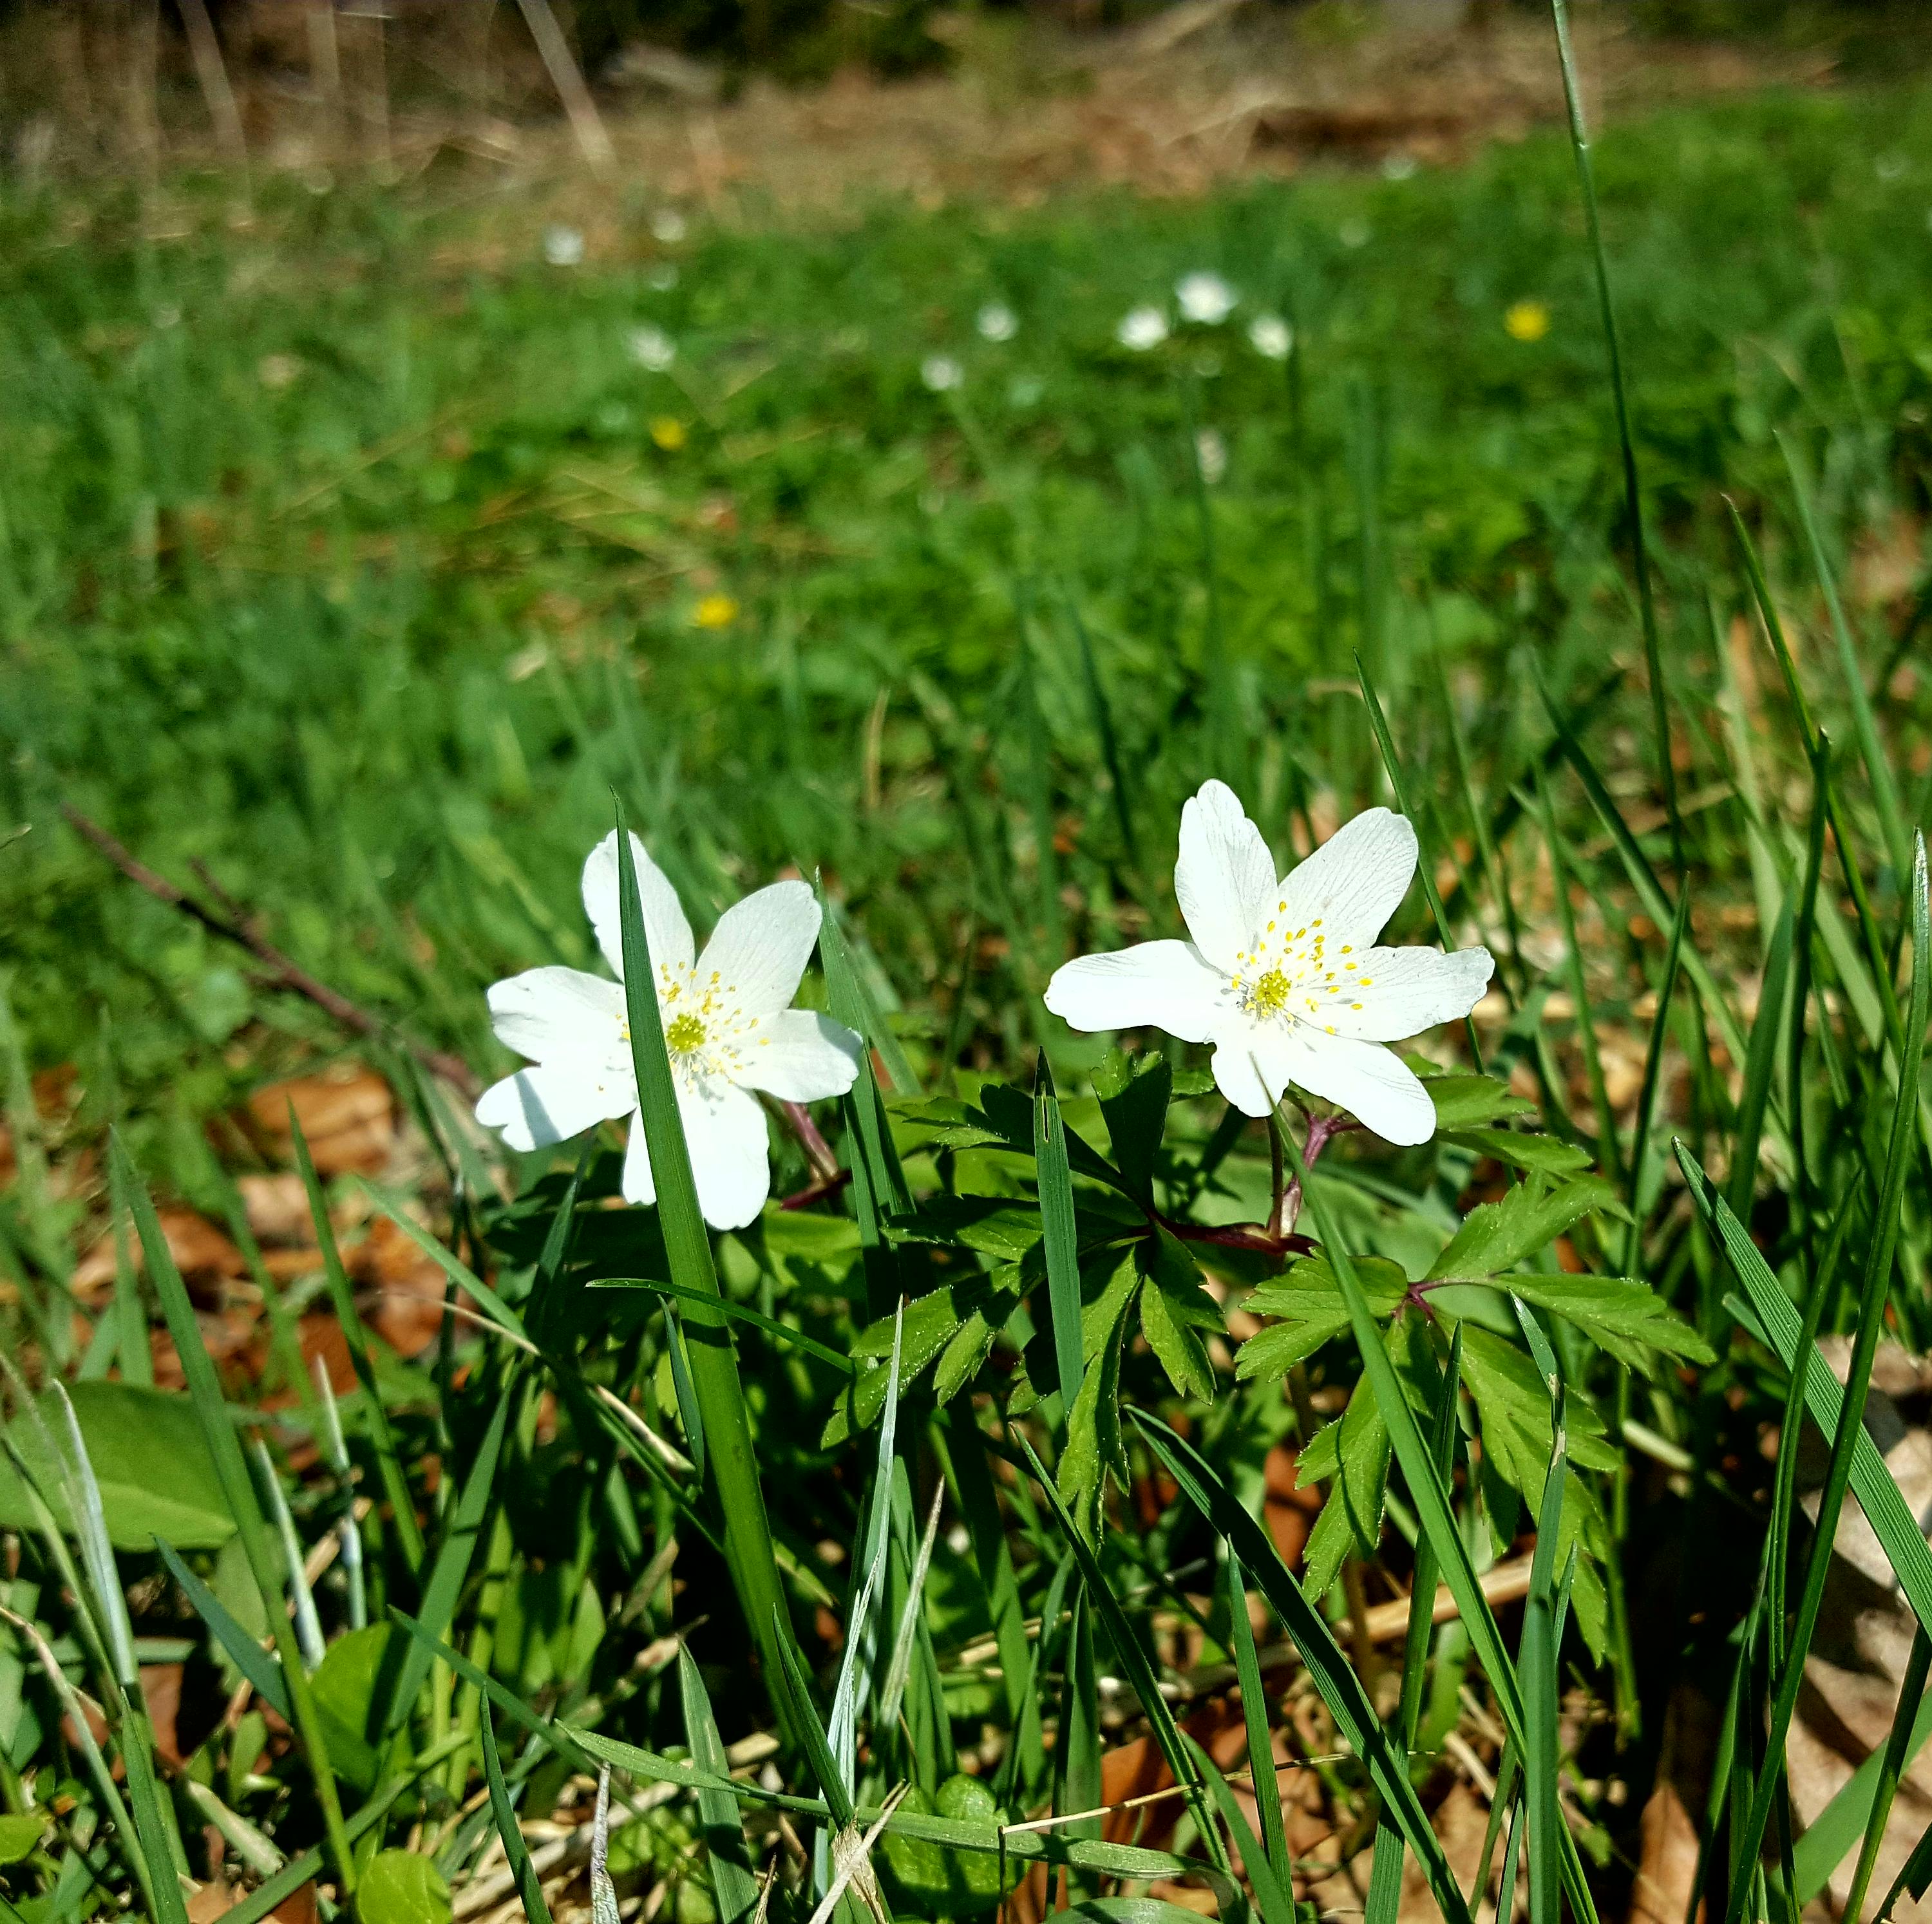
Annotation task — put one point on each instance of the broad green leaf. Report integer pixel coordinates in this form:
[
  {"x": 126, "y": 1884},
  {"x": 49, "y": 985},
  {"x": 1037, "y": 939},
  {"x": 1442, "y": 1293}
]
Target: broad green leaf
[
  {"x": 1174, "y": 1306},
  {"x": 1627, "y": 1318},
  {"x": 20, "y": 1836},
  {"x": 401, "y": 1887},
  {"x": 1514, "y": 1409},
  {"x": 150, "y": 1459},
  {"x": 948, "y": 1884},
  {"x": 348, "y": 1683},
  {"x": 1496, "y": 1236}
]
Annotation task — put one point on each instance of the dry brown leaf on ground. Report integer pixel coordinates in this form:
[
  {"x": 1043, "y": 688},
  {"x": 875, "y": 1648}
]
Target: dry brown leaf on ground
[
  {"x": 347, "y": 1112},
  {"x": 201, "y": 1252}
]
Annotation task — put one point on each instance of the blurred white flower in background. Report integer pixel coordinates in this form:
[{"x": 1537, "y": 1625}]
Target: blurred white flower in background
[
  {"x": 651, "y": 347},
  {"x": 1398, "y": 166},
  {"x": 1280, "y": 975},
  {"x": 940, "y": 372},
  {"x": 1205, "y": 298},
  {"x": 562, "y": 246},
  {"x": 667, "y": 226},
  {"x": 1026, "y": 390},
  {"x": 1270, "y": 337},
  {"x": 661, "y": 275},
  {"x": 998, "y": 321},
  {"x": 1210, "y": 449},
  {"x": 1141, "y": 328},
  {"x": 728, "y": 1024},
  {"x": 1354, "y": 233}
]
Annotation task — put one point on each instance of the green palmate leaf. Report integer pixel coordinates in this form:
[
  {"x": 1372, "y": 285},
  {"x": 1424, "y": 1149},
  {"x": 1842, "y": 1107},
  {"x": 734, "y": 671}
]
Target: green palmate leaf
[
  {"x": 1174, "y": 1306},
  {"x": 1311, "y": 1311},
  {"x": 1496, "y": 1236},
  {"x": 1628, "y": 1319},
  {"x": 932, "y": 1323},
  {"x": 399, "y": 1887},
  {"x": 131, "y": 1433},
  {"x": 1094, "y": 1427},
  {"x": 948, "y": 1884},
  {"x": 1352, "y": 1454},
  {"x": 1134, "y": 1094}
]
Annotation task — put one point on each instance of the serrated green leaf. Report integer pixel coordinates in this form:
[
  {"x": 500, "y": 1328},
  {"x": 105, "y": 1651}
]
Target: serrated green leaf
[
  {"x": 931, "y": 1322},
  {"x": 1174, "y": 1306},
  {"x": 1496, "y": 1236},
  {"x": 1311, "y": 1312},
  {"x": 1513, "y": 1405},
  {"x": 1468, "y": 1101},
  {"x": 1094, "y": 1427},
  {"x": 1545, "y": 1155},
  {"x": 1627, "y": 1318},
  {"x": 1351, "y": 1518}
]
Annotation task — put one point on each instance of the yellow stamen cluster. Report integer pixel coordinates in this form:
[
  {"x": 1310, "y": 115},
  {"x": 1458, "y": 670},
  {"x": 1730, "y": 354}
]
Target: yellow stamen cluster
[
  {"x": 706, "y": 1028},
  {"x": 1285, "y": 973}
]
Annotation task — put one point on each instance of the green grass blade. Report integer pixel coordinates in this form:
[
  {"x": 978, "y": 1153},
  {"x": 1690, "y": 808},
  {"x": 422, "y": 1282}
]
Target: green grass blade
[
  {"x": 978, "y": 1498},
  {"x": 1134, "y": 1661},
  {"x": 733, "y": 1461},
  {"x": 1865, "y": 724},
  {"x": 1254, "y": 1716},
  {"x": 248, "y": 1655},
  {"x": 1541, "y": 1757},
  {"x": 1646, "y": 1101},
  {"x": 530, "y": 1888},
  {"x": 308, "y": 1625},
  {"x": 1333, "y": 1677},
  {"x": 739, "y": 1312},
  {"x": 1059, "y": 1235},
  {"x": 342, "y": 1298},
  {"x": 802, "y": 1716},
  {"x": 1384, "y": 1898},
  {"x": 1077, "y": 1751},
  {"x": 451, "y": 1564},
  {"x": 1891, "y": 1767},
  {"x": 1767, "y": 1032},
  {"x": 1272, "y": 1896},
  {"x": 1831, "y": 1835},
  {"x": 204, "y": 1388},
  {"x": 1653, "y": 655},
  {"x": 1428, "y": 1566},
  {"x": 1872, "y": 1298},
  {"x": 734, "y": 1884},
  {"x": 1426, "y": 868},
  {"x": 1103, "y": 730}
]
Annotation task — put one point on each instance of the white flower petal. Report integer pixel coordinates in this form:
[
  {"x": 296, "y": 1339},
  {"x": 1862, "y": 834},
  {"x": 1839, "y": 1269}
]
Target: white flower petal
[
  {"x": 1169, "y": 985},
  {"x": 665, "y": 928},
  {"x": 761, "y": 946},
  {"x": 1243, "y": 1068},
  {"x": 639, "y": 1185},
  {"x": 1225, "y": 878},
  {"x": 545, "y": 1013},
  {"x": 730, "y": 1153},
  {"x": 552, "y": 1102},
  {"x": 1401, "y": 992},
  {"x": 800, "y": 1056},
  {"x": 1355, "y": 881},
  {"x": 1375, "y": 1087},
  {"x": 724, "y": 1134}
]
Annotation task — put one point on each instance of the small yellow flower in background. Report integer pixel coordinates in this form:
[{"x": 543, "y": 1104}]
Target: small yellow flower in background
[
  {"x": 1526, "y": 320},
  {"x": 668, "y": 432},
  {"x": 715, "y": 611}
]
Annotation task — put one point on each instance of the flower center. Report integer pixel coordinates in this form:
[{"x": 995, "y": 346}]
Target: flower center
[
  {"x": 683, "y": 1034},
  {"x": 1269, "y": 997}
]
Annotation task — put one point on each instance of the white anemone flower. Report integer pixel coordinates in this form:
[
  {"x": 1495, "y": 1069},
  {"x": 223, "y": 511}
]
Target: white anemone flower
[
  {"x": 940, "y": 372},
  {"x": 728, "y": 1024},
  {"x": 1141, "y": 328},
  {"x": 1282, "y": 974},
  {"x": 652, "y": 348},
  {"x": 1205, "y": 298},
  {"x": 562, "y": 246},
  {"x": 997, "y": 322},
  {"x": 1270, "y": 337}
]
